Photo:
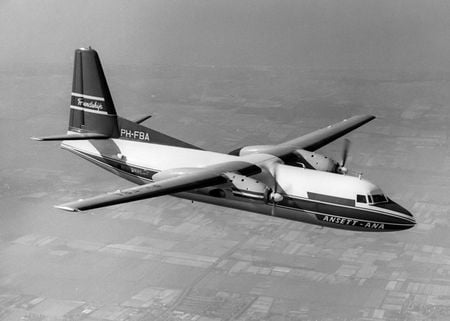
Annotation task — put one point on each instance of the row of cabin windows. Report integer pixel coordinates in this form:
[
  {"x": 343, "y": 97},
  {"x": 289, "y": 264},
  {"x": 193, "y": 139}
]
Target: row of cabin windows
[{"x": 371, "y": 199}]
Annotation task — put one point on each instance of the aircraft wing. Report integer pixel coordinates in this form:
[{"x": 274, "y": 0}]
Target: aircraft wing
[
  {"x": 315, "y": 139},
  {"x": 324, "y": 136},
  {"x": 197, "y": 178}
]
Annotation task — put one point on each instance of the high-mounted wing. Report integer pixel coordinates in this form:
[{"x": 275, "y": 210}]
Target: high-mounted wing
[
  {"x": 324, "y": 136},
  {"x": 196, "y": 178},
  {"x": 311, "y": 141}
]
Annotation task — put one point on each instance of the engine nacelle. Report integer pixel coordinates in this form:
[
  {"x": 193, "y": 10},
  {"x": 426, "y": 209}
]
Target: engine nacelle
[
  {"x": 247, "y": 186},
  {"x": 301, "y": 158},
  {"x": 311, "y": 160},
  {"x": 255, "y": 149}
]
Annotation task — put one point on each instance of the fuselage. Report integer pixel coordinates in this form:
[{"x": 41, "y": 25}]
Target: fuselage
[{"x": 311, "y": 196}]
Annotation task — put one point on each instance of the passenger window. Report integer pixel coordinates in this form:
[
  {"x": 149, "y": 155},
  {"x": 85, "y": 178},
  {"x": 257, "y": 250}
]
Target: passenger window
[{"x": 361, "y": 198}]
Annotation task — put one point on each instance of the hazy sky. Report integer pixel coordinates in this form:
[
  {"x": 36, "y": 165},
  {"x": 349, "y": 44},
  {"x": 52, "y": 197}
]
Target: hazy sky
[{"x": 381, "y": 34}]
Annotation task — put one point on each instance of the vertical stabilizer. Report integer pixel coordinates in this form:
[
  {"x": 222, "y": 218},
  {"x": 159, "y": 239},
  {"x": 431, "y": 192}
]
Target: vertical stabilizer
[{"x": 91, "y": 106}]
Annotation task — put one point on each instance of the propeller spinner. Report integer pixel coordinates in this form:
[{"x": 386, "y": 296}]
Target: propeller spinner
[
  {"x": 274, "y": 196},
  {"x": 341, "y": 169}
]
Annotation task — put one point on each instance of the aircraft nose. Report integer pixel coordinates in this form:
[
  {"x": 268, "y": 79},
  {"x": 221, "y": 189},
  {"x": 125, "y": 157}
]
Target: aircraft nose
[
  {"x": 410, "y": 221},
  {"x": 407, "y": 219},
  {"x": 401, "y": 218}
]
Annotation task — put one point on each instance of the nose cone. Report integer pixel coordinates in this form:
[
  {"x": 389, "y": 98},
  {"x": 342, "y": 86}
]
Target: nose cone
[
  {"x": 408, "y": 221},
  {"x": 403, "y": 218}
]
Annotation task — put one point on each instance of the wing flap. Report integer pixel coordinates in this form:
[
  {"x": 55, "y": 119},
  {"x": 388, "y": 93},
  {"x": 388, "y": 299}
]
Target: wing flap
[{"x": 204, "y": 177}]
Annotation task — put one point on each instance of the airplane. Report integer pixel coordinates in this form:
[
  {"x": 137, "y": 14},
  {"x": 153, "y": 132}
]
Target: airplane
[{"x": 287, "y": 180}]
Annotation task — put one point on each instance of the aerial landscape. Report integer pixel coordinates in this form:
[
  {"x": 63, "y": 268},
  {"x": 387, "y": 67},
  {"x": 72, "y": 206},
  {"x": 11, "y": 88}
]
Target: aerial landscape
[{"x": 173, "y": 259}]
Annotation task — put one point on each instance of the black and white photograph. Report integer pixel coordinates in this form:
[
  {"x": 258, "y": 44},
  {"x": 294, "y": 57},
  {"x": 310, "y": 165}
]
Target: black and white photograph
[{"x": 219, "y": 160}]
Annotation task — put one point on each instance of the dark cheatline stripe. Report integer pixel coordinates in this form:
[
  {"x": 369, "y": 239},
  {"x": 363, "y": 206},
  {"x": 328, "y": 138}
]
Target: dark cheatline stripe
[
  {"x": 363, "y": 225},
  {"x": 331, "y": 199},
  {"x": 356, "y": 213}
]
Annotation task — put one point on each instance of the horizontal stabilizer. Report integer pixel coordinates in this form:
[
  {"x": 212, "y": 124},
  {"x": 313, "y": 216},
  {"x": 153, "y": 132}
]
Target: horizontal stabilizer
[
  {"x": 71, "y": 137},
  {"x": 142, "y": 119}
]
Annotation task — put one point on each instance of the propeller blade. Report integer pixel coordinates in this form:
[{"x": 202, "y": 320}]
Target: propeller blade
[
  {"x": 347, "y": 144},
  {"x": 274, "y": 204}
]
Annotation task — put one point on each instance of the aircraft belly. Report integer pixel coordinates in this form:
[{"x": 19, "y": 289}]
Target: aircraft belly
[
  {"x": 251, "y": 205},
  {"x": 366, "y": 221}
]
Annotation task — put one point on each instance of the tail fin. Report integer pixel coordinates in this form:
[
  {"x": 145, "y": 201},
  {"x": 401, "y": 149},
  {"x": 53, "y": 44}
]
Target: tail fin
[
  {"x": 91, "y": 106},
  {"x": 92, "y": 112}
]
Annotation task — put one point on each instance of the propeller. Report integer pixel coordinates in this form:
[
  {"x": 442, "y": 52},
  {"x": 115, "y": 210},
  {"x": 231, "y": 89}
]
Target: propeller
[
  {"x": 341, "y": 167},
  {"x": 274, "y": 196}
]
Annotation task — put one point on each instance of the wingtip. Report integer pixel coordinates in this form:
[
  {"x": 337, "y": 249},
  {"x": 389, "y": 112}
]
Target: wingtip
[
  {"x": 368, "y": 116},
  {"x": 36, "y": 138},
  {"x": 66, "y": 208}
]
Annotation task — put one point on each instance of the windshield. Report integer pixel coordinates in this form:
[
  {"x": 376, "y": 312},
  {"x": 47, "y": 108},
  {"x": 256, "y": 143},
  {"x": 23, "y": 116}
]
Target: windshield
[{"x": 378, "y": 198}]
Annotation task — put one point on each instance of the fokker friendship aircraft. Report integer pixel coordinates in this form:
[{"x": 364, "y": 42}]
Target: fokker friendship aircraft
[{"x": 288, "y": 180}]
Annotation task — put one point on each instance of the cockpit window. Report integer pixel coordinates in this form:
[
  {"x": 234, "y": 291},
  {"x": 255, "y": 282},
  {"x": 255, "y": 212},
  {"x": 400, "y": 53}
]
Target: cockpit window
[
  {"x": 378, "y": 198},
  {"x": 361, "y": 198}
]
